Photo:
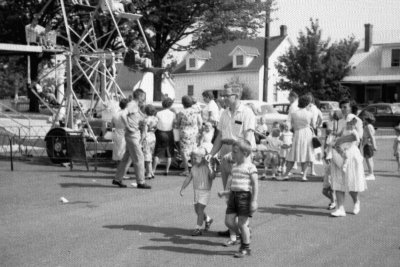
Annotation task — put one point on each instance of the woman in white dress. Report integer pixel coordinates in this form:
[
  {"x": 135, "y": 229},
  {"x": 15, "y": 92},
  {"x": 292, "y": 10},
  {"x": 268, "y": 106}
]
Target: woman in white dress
[
  {"x": 350, "y": 176},
  {"x": 119, "y": 132},
  {"x": 302, "y": 150}
]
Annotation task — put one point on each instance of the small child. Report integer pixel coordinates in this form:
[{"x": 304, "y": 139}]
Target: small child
[
  {"x": 342, "y": 150},
  {"x": 396, "y": 147},
  {"x": 327, "y": 182},
  {"x": 273, "y": 146},
  {"x": 202, "y": 176},
  {"x": 287, "y": 139},
  {"x": 243, "y": 193},
  {"x": 368, "y": 143},
  {"x": 206, "y": 136},
  {"x": 149, "y": 140},
  {"x": 261, "y": 129}
]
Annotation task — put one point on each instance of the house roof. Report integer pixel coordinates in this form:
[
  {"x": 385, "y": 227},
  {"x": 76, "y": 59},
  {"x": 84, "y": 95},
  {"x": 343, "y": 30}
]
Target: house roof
[
  {"x": 202, "y": 54},
  {"x": 221, "y": 61},
  {"x": 248, "y": 50},
  {"x": 366, "y": 67}
]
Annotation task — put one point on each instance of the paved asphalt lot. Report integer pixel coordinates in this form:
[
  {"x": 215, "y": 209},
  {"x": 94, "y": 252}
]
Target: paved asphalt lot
[{"x": 106, "y": 226}]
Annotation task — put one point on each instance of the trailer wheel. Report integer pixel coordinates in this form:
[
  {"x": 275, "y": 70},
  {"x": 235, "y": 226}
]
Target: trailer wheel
[{"x": 56, "y": 145}]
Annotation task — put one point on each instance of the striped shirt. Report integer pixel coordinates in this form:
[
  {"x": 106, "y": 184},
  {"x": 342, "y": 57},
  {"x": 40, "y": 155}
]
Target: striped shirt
[{"x": 241, "y": 176}]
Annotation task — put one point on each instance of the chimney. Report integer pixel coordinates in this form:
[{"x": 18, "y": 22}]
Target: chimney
[
  {"x": 283, "y": 30},
  {"x": 368, "y": 37}
]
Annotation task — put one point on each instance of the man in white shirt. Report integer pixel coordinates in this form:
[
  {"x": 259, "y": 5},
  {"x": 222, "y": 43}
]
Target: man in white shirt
[
  {"x": 237, "y": 121},
  {"x": 211, "y": 111}
]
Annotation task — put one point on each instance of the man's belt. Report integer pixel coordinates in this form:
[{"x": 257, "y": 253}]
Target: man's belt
[{"x": 227, "y": 141}]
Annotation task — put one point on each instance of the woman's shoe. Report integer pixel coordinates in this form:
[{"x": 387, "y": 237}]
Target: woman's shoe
[
  {"x": 356, "y": 209},
  {"x": 339, "y": 213},
  {"x": 332, "y": 206}
]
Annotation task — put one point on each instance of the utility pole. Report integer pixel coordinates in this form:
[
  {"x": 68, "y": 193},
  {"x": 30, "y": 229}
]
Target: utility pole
[{"x": 266, "y": 52}]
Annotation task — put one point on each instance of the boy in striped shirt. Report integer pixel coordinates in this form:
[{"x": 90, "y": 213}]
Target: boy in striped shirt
[{"x": 242, "y": 202}]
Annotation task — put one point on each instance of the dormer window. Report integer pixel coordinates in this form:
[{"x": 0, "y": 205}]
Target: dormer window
[
  {"x": 196, "y": 59},
  {"x": 192, "y": 63},
  {"x": 239, "y": 60},
  {"x": 395, "y": 57},
  {"x": 243, "y": 56}
]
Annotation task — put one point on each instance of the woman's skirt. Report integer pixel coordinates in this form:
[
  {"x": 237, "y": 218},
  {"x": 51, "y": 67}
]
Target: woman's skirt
[
  {"x": 164, "y": 144},
  {"x": 302, "y": 150},
  {"x": 352, "y": 178}
]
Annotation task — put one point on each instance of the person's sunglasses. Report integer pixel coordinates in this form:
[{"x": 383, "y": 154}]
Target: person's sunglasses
[{"x": 226, "y": 96}]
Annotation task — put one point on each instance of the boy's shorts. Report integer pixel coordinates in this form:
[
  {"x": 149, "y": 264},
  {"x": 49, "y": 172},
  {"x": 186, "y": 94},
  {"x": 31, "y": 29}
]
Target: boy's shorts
[
  {"x": 284, "y": 152},
  {"x": 271, "y": 158},
  {"x": 368, "y": 151},
  {"x": 239, "y": 203},
  {"x": 201, "y": 197}
]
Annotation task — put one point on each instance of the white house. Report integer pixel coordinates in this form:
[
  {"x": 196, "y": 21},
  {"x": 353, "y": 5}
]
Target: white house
[
  {"x": 375, "y": 69},
  {"x": 211, "y": 69}
]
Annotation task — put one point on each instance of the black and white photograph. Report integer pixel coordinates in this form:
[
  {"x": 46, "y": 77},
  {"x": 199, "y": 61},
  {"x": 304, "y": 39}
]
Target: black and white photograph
[{"x": 199, "y": 132}]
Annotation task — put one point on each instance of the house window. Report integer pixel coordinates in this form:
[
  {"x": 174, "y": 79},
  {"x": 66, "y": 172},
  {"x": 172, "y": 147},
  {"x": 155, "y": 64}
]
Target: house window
[
  {"x": 396, "y": 58},
  {"x": 190, "y": 90},
  {"x": 192, "y": 63},
  {"x": 239, "y": 60}
]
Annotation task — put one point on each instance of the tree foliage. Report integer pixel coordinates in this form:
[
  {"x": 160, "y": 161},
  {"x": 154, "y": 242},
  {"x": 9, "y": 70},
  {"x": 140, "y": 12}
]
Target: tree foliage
[{"x": 315, "y": 65}]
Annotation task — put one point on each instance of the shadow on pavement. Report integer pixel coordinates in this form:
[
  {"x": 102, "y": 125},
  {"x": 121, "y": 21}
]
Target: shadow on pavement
[
  {"x": 179, "y": 240},
  {"x": 293, "y": 210},
  {"x": 187, "y": 250},
  {"x": 69, "y": 185},
  {"x": 87, "y": 177},
  {"x": 166, "y": 231}
]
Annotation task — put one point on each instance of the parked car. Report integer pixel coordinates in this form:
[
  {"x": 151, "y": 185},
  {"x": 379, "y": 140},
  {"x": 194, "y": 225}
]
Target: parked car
[
  {"x": 266, "y": 111},
  {"x": 386, "y": 115},
  {"x": 282, "y": 108}
]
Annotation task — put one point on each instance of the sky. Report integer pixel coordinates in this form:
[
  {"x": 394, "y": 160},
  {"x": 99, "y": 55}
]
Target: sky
[{"x": 338, "y": 19}]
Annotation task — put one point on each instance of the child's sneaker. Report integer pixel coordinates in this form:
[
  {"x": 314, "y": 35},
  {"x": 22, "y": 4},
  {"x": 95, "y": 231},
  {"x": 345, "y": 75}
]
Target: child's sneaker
[
  {"x": 197, "y": 232},
  {"x": 208, "y": 224},
  {"x": 231, "y": 243},
  {"x": 243, "y": 252}
]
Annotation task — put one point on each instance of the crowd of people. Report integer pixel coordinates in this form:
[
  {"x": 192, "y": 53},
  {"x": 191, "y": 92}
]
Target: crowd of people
[{"x": 229, "y": 139}]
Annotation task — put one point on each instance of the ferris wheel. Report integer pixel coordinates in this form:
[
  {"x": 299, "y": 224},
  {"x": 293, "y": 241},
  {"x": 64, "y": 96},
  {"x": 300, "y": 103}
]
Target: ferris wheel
[{"x": 90, "y": 53}]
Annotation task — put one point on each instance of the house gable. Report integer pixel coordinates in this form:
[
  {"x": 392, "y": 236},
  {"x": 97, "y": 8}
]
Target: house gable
[
  {"x": 242, "y": 56},
  {"x": 196, "y": 59}
]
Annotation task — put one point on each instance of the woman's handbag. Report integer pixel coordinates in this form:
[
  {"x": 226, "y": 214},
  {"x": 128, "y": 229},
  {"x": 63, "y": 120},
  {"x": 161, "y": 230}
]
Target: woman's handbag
[{"x": 316, "y": 143}]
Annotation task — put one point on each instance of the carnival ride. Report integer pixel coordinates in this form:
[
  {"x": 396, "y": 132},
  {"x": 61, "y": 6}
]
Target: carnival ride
[{"x": 93, "y": 59}]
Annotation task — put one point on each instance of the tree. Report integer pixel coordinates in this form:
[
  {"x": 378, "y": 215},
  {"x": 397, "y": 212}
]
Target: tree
[{"x": 316, "y": 66}]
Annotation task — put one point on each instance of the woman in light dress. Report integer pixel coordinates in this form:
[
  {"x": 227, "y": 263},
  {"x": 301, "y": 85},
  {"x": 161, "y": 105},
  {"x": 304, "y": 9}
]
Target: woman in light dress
[
  {"x": 189, "y": 123},
  {"x": 349, "y": 178},
  {"x": 302, "y": 150},
  {"x": 119, "y": 132}
]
